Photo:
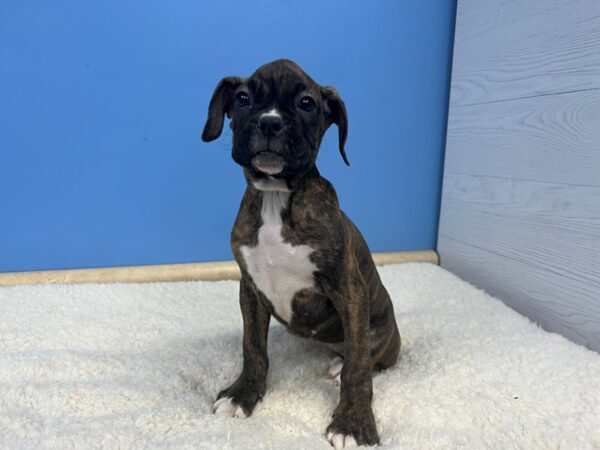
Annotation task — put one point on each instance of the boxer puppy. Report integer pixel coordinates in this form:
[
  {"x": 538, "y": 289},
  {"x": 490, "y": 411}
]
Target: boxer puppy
[{"x": 302, "y": 260}]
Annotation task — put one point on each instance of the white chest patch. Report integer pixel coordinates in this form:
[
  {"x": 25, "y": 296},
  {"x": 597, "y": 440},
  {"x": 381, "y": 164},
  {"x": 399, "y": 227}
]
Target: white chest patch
[{"x": 278, "y": 268}]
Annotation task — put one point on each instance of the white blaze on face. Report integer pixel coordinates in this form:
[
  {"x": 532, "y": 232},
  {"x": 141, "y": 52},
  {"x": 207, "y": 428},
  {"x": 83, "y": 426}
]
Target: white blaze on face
[
  {"x": 278, "y": 268},
  {"x": 273, "y": 113}
]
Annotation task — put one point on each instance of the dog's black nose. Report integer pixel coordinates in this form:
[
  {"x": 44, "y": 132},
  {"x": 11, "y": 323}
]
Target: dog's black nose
[{"x": 270, "y": 124}]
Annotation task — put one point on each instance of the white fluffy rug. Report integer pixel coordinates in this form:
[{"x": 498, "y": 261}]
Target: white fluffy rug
[{"x": 139, "y": 365}]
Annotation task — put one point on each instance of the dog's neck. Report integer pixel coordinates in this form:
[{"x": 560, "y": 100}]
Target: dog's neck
[
  {"x": 267, "y": 183},
  {"x": 270, "y": 184}
]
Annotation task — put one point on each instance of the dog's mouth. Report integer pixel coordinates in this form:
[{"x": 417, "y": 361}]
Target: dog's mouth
[{"x": 268, "y": 162}]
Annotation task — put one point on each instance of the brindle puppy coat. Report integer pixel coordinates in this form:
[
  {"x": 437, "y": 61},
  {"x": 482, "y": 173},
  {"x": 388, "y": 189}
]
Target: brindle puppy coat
[{"x": 302, "y": 260}]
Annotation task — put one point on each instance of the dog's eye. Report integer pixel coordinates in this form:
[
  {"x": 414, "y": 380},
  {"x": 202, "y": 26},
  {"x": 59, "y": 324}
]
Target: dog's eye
[
  {"x": 242, "y": 99},
  {"x": 307, "y": 103}
]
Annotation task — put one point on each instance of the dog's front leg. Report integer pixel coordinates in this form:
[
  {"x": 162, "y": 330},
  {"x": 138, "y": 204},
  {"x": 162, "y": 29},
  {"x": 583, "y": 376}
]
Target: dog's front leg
[
  {"x": 353, "y": 421},
  {"x": 241, "y": 397}
]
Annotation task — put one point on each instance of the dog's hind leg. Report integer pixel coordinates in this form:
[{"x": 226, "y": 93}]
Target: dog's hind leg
[
  {"x": 334, "y": 373},
  {"x": 385, "y": 346}
]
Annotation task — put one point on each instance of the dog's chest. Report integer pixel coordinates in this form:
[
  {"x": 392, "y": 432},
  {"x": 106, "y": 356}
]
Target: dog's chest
[{"x": 278, "y": 268}]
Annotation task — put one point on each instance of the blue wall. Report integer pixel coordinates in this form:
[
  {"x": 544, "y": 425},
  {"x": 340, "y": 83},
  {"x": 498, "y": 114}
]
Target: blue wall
[{"x": 102, "y": 105}]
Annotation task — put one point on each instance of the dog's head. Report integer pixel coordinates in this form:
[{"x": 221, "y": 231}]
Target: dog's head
[{"x": 278, "y": 116}]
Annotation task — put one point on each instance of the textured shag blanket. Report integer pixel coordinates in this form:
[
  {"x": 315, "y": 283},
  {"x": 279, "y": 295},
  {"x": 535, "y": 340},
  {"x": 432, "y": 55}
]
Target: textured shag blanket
[{"x": 139, "y": 366}]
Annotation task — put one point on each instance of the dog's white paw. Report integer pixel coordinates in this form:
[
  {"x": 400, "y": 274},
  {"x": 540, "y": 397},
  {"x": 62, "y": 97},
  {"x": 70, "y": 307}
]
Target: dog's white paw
[
  {"x": 228, "y": 407},
  {"x": 335, "y": 370},
  {"x": 338, "y": 440}
]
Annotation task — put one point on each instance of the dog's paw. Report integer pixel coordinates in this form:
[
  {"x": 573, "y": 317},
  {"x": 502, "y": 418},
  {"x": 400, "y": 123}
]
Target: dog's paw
[
  {"x": 334, "y": 373},
  {"x": 339, "y": 440},
  {"x": 351, "y": 426},
  {"x": 239, "y": 399},
  {"x": 228, "y": 407}
]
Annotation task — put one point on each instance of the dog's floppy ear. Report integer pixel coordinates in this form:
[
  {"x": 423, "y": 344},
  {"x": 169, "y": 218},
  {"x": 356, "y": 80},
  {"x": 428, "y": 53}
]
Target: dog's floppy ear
[
  {"x": 221, "y": 103},
  {"x": 335, "y": 112}
]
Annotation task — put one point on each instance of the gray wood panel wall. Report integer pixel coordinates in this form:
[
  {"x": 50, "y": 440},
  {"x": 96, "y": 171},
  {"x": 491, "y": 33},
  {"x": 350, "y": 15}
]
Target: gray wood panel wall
[{"x": 520, "y": 213}]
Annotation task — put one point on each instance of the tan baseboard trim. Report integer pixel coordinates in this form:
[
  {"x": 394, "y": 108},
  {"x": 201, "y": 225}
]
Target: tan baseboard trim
[{"x": 209, "y": 271}]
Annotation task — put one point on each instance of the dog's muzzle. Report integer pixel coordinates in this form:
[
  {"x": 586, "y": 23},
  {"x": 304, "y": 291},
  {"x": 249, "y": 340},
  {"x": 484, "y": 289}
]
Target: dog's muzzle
[
  {"x": 268, "y": 162},
  {"x": 270, "y": 126}
]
